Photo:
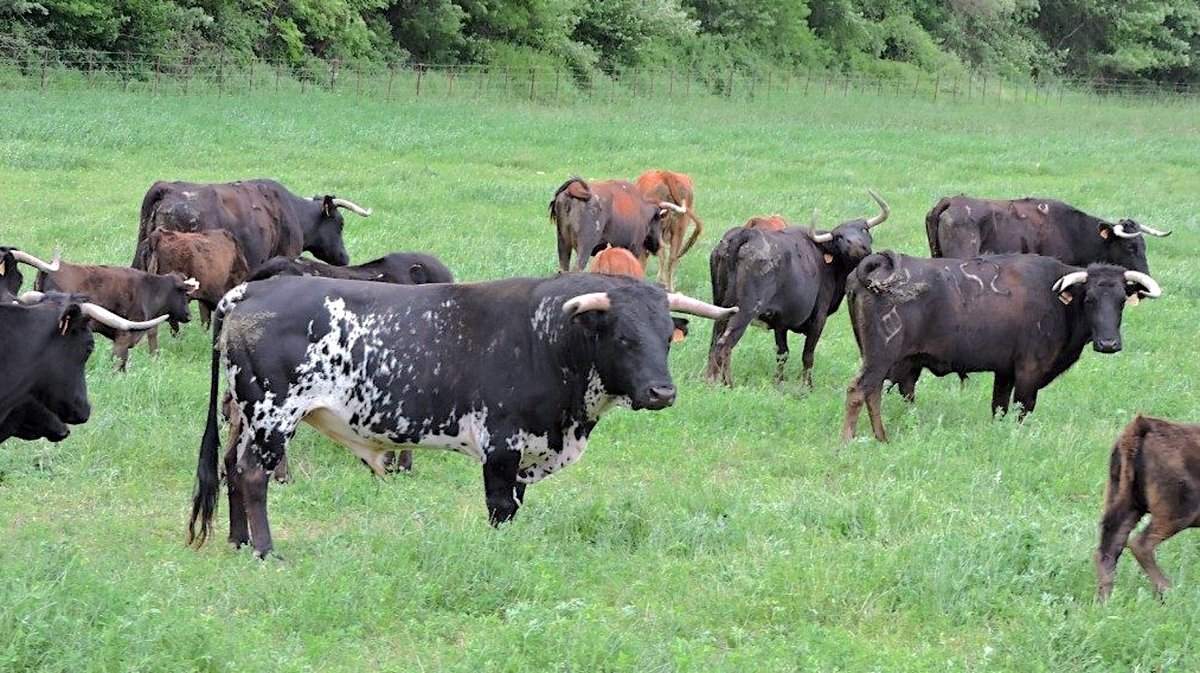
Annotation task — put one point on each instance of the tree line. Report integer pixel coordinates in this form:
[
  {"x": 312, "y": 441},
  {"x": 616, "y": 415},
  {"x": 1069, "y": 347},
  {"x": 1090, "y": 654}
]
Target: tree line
[{"x": 1149, "y": 40}]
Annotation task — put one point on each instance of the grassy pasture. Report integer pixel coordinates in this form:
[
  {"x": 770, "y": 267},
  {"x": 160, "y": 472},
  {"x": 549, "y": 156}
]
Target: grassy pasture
[{"x": 730, "y": 532}]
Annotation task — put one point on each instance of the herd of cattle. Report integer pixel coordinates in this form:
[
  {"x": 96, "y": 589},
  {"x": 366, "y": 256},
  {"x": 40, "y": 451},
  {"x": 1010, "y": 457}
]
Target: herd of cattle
[{"x": 393, "y": 354}]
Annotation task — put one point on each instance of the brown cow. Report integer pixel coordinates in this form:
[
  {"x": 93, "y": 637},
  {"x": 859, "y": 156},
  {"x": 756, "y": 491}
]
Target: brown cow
[
  {"x": 675, "y": 188},
  {"x": 134, "y": 294},
  {"x": 591, "y": 215},
  {"x": 621, "y": 262},
  {"x": 1155, "y": 469},
  {"x": 211, "y": 257},
  {"x": 767, "y": 223}
]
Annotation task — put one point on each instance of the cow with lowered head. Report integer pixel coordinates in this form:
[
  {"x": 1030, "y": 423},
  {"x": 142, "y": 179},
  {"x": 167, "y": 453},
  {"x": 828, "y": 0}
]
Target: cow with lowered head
[
  {"x": 137, "y": 295},
  {"x": 264, "y": 217},
  {"x": 399, "y": 268},
  {"x": 376, "y": 367},
  {"x": 964, "y": 226},
  {"x": 1026, "y": 318},
  {"x": 211, "y": 257},
  {"x": 790, "y": 279},
  {"x": 589, "y": 216},
  {"x": 1154, "y": 469},
  {"x": 47, "y": 339}
]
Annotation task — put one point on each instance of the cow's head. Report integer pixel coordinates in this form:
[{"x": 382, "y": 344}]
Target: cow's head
[
  {"x": 169, "y": 295},
  {"x": 850, "y": 242},
  {"x": 59, "y": 343},
  {"x": 631, "y": 328},
  {"x": 323, "y": 237},
  {"x": 1125, "y": 245},
  {"x": 1103, "y": 289},
  {"x": 10, "y": 273}
]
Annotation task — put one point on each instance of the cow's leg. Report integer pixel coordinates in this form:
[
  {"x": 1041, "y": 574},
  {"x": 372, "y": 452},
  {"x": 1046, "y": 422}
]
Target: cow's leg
[
  {"x": 1026, "y": 391},
  {"x": 1115, "y": 527},
  {"x": 811, "y": 336},
  {"x": 151, "y": 340},
  {"x": 205, "y": 313},
  {"x": 239, "y": 531},
  {"x": 664, "y": 259},
  {"x": 1002, "y": 389},
  {"x": 501, "y": 488},
  {"x": 905, "y": 375},
  {"x": 253, "y": 479},
  {"x": 720, "y": 352},
  {"x": 122, "y": 341},
  {"x": 1157, "y": 531},
  {"x": 781, "y": 353},
  {"x": 867, "y": 388},
  {"x": 564, "y": 253},
  {"x": 398, "y": 461}
]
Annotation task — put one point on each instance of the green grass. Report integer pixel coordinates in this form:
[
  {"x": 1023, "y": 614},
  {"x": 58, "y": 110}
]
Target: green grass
[{"x": 731, "y": 532}]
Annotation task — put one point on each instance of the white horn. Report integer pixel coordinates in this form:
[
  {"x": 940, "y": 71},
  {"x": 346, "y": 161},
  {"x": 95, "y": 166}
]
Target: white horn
[
  {"x": 1073, "y": 278},
  {"x": 1154, "y": 232},
  {"x": 822, "y": 238},
  {"x": 30, "y": 297},
  {"x": 1152, "y": 288},
  {"x": 686, "y": 304},
  {"x": 1119, "y": 230},
  {"x": 813, "y": 222},
  {"x": 671, "y": 206},
  {"x": 885, "y": 210},
  {"x": 348, "y": 205},
  {"x": 107, "y": 317},
  {"x": 29, "y": 259},
  {"x": 592, "y": 301}
]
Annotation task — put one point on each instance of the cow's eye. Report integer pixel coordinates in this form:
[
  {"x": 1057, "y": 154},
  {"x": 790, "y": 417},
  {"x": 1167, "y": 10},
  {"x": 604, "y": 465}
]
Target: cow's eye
[{"x": 625, "y": 342}]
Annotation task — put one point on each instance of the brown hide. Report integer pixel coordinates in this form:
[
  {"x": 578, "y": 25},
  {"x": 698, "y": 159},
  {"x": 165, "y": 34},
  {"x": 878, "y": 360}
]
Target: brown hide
[
  {"x": 767, "y": 223},
  {"x": 1154, "y": 468},
  {"x": 211, "y": 257},
  {"x": 658, "y": 185},
  {"x": 590, "y": 215},
  {"x": 618, "y": 261}
]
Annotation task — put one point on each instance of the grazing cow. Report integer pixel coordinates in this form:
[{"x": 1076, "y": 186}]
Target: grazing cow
[
  {"x": 399, "y": 268},
  {"x": 137, "y": 295},
  {"x": 1024, "y": 317},
  {"x": 10, "y": 273},
  {"x": 47, "y": 340},
  {"x": 962, "y": 227},
  {"x": 513, "y": 373},
  {"x": 621, "y": 262},
  {"x": 1155, "y": 469},
  {"x": 592, "y": 215},
  {"x": 264, "y": 217},
  {"x": 211, "y": 257},
  {"x": 790, "y": 279},
  {"x": 676, "y": 188}
]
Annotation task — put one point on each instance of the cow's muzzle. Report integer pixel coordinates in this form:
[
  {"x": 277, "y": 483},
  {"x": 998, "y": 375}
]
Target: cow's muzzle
[
  {"x": 1107, "y": 345},
  {"x": 659, "y": 397}
]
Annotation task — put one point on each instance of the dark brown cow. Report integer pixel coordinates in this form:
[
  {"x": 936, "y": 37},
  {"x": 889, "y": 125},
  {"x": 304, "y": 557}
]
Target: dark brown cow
[
  {"x": 397, "y": 268},
  {"x": 137, "y": 295},
  {"x": 963, "y": 226},
  {"x": 1155, "y": 469},
  {"x": 265, "y": 218},
  {"x": 211, "y": 257},
  {"x": 1026, "y": 318},
  {"x": 592, "y": 215},
  {"x": 10, "y": 273},
  {"x": 676, "y": 188}
]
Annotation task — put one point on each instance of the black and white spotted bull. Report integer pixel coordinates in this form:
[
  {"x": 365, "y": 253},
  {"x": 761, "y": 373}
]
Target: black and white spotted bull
[
  {"x": 1027, "y": 318},
  {"x": 513, "y": 373}
]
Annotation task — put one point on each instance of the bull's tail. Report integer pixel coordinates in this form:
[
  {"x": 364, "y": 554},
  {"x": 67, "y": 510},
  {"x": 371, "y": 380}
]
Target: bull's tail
[
  {"x": 681, "y": 200},
  {"x": 145, "y": 217},
  {"x": 931, "y": 225},
  {"x": 208, "y": 482},
  {"x": 1122, "y": 464},
  {"x": 695, "y": 232}
]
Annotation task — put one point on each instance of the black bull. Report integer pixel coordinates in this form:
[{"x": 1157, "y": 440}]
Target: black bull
[
  {"x": 1026, "y": 318},
  {"x": 264, "y": 217},
  {"x": 514, "y": 373},
  {"x": 401, "y": 268},
  {"x": 963, "y": 227}
]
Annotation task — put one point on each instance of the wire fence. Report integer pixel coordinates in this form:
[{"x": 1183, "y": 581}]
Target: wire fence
[{"x": 209, "y": 72}]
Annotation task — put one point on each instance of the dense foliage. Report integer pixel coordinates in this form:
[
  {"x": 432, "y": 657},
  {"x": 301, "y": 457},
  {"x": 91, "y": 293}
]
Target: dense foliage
[{"x": 1099, "y": 39}]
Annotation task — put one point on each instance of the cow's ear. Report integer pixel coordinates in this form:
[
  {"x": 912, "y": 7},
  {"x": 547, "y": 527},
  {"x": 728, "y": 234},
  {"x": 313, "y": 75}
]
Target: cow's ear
[
  {"x": 596, "y": 322},
  {"x": 681, "y": 329},
  {"x": 1105, "y": 231},
  {"x": 418, "y": 274},
  {"x": 579, "y": 189},
  {"x": 1066, "y": 296},
  {"x": 72, "y": 320},
  {"x": 327, "y": 207}
]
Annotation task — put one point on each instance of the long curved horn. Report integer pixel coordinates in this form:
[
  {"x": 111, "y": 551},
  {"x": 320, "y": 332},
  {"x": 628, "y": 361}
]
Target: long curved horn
[
  {"x": 592, "y": 301},
  {"x": 686, "y": 304},
  {"x": 1154, "y": 232},
  {"x": 29, "y": 259},
  {"x": 30, "y": 297},
  {"x": 1152, "y": 288},
  {"x": 822, "y": 238},
  {"x": 813, "y": 222},
  {"x": 885, "y": 210},
  {"x": 1119, "y": 230},
  {"x": 351, "y": 206},
  {"x": 1073, "y": 278},
  {"x": 107, "y": 317},
  {"x": 672, "y": 206}
]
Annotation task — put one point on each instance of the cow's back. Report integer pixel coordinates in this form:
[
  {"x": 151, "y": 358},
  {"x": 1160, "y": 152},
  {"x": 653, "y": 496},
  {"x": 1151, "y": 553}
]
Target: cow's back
[{"x": 211, "y": 257}]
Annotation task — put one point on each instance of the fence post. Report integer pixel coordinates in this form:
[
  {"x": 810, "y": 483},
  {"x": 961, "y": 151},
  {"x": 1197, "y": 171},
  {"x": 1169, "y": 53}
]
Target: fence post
[
  {"x": 278, "y": 75},
  {"x": 984, "y": 94},
  {"x": 45, "y": 64},
  {"x": 358, "y": 81},
  {"x": 187, "y": 71},
  {"x": 333, "y": 68},
  {"x": 846, "y": 87},
  {"x": 479, "y": 92},
  {"x": 250, "y": 86},
  {"x": 937, "y": 81},
  {"x": 687, "y": 90},
  {"x": 729, "y": 89},
  {"x": 391, "y": 78},
  {"x": 125, "y": 73},
  {"x": 157, "y": 67},
  {"x": 557, "y": 76},
  {"x": 532, "y": 81},
  {"x": 954, "y": 92},
  {"x": 671, "y": 86},
  {"x": 221, "y": 74},
  {"x": 453, "y": 80},
  {"x": 420, "y": 75}
]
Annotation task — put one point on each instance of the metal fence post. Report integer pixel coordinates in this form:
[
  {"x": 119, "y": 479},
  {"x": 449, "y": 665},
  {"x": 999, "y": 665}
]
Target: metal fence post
[
  {"x": 532, "y": 81},
  {"x": 45, "y": 64},
  {"x": 420, "y": 74}
]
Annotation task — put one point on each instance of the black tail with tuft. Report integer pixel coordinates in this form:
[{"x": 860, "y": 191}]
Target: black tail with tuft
[{"x": 204, "y": 499}]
